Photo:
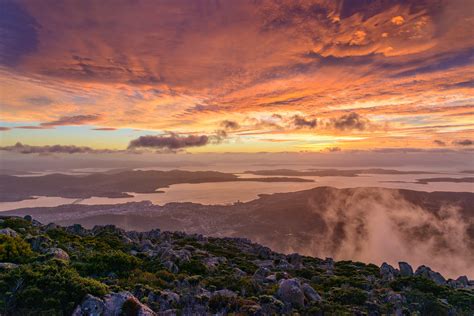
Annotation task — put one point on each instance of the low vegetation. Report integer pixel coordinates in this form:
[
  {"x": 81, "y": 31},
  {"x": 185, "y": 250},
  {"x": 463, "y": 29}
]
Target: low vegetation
[{"x": 51, "y": 270}]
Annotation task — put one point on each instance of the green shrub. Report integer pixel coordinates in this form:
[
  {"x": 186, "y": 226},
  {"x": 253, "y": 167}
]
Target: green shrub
[
  {"x": 349, "y": 296},
  {"x": 15, "y": 249},
  {"x": 101, "y": 264},
  {"x": 16, "y": 223},
  {"x": 45, "y": 289},
  {"x": 193, "y": 267}
]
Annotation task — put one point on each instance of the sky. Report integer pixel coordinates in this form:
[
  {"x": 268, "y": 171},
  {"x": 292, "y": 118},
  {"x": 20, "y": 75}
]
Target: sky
[{"x": 100, "y": 77}]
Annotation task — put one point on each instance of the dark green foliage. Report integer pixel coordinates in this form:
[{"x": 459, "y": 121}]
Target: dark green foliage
[
  {"x": 17, "y": 224},
  {"x": 349, "y": 296},
  {"x": 102, "y": 261},
  {"x": 101, "y": 264},
  {"x": 193, "y": 267},
  {"x": 52, "y": 286},
  {"x": 15, "y": 249}
]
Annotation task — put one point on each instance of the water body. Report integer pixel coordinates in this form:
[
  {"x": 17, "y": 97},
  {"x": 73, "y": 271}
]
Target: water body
[{"x": 231, "y": 192}]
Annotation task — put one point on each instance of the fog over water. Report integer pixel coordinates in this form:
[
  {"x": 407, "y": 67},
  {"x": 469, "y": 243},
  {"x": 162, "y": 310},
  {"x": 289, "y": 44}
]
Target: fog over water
[
  {"x": 230, "y": 192},
  {"x": 393, "y": 229}
]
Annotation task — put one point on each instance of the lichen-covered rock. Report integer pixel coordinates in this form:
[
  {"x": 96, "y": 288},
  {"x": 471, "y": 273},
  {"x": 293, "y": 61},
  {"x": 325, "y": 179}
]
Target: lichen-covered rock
[
  {"x": 113, "y": 304},
  {"x": 7, "y": 266},
  {"x": 58, "y": 253},
  {"x": 90, "y": 306},
  {"x": 405, "y": 269},
  {"x": 290, "y": 292},
  {"x": 426, "y": 272},
  {"x": 387, "y": 272},
  {"x": 295, "y": 260},
  {"x": 8, "y": 232},
  {"x": 310, "y": 294}
]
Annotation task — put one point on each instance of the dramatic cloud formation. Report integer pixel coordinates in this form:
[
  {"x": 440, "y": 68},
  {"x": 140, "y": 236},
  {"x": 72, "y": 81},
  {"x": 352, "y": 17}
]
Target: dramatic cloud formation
[
  {"x": 301, "y": 122},
  {"x": 230, "y": 125},
  {"x": 3, "y": 128},
  {"x": 350, "y": 121},
  {"x": 374, "y": 73},
  {"x": 439, "y": 142},
  {"x": 171, "y": 142}
]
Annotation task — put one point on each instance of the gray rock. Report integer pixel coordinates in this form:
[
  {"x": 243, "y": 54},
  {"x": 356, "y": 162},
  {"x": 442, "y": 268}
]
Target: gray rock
[
  {"x": 90, "y": 306},
  {"x": 114, "y": 302},
  {"x": 40, "y": 243},
  {"x": 328, "y": 265},
  {"x": 395, "y": 300},
  {"x": 261, "y": 273},
  {"x": 58, "y": 253},
  {"x": 212, "y": 262},
  {"x": 271, "y": 278},
  {"x": 405, "y": 269},
  {"x": 290, "y": 292},
  {"x": 239, "y": 273},
  {"x": 285, "y": 265},
  {"x": 310, "y": 293},
  {"x": 171, "y": 267},
  {"x": 224, "y": 293},
  {"x": 463, "y": 280},
  {"x": 7, "y": 266},
  {"x": 426, "y": 272},
  {"x": 264, "y": 263},
  {"x": 387, "y": 272},
  {"x": 77, "y": 230},
  {"x": 295, "y": 260},
  {"x": 166, "y": 299},
  {"x": 8, "y": 232}
]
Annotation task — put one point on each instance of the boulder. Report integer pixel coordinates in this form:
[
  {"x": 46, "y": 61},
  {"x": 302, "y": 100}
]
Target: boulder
[
  {"x": 290, "y": 292},
  {"x": 224, "y": 293},
  {"x": 310, "y": 294},
  {"x": 405, "y": 269},
  {"x": 166, "y": 299},
  {"x": 90, "y": 306},
  {"x": 285, "y": 265},
  {"x": 261, "y": 273},
  {"x": 239, "y": 273},
  {"x": 116, "y": 304},
  {"x": 171, "y": 267},
  {"x": 58, "y": 253},
  {"x": 328, "y": 266},
  {"x": 77, "y": 229},
  {"x": 427, "y": 273},
  {"x": 212, "y": 262},
  {"x": 271, "y": 278},
  {"x": 387, "y": 272},
  {"x": 8, "y": 232},
  {"x": 7, "y": 266},
  {"x": 40, "y": 243},
  {"x": 295, "y": 260}
]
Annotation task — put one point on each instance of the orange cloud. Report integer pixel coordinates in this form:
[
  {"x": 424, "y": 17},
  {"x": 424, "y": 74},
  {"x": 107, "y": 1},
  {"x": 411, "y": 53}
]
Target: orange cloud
[{"x": 188, "y": 66}]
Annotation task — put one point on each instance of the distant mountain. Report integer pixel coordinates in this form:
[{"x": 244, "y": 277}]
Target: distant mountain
[
  {"x": 365, "y": 224},
  {"x": 112, "y": 185},
  {"x": 331, "y": 172}
]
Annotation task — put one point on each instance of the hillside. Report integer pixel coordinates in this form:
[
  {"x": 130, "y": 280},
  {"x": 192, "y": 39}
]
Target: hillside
[
  {"x": 53, "y": 270},
  {"x": 364, "y": 224}
]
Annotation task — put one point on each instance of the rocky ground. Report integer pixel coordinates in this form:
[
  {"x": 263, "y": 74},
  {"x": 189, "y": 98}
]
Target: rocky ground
[{"x": 53, "y": 270}]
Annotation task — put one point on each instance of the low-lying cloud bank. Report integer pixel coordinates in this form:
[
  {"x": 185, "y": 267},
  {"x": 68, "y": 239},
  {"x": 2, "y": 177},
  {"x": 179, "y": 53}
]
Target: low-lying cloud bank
[{"x": 54, "y": 149}]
